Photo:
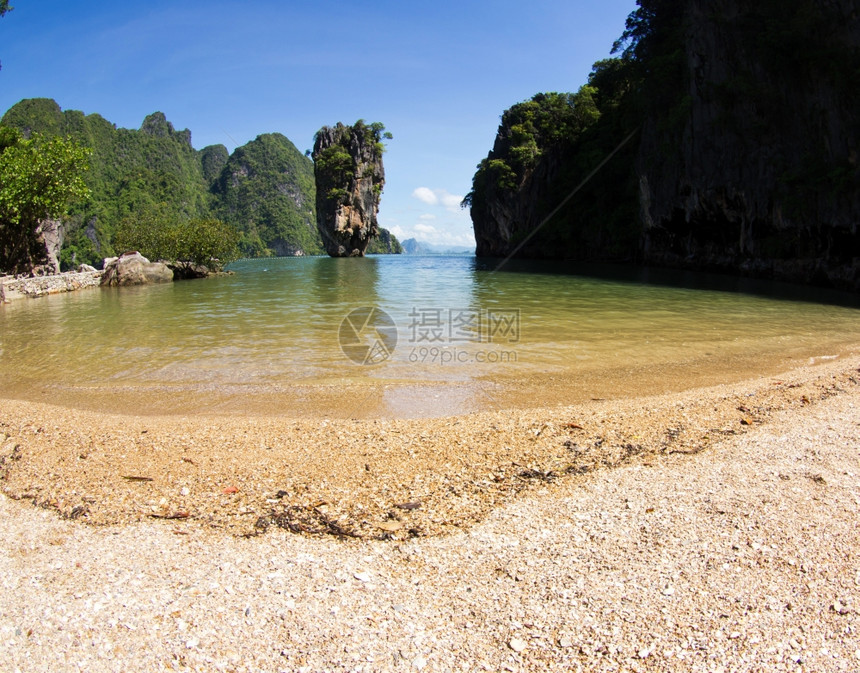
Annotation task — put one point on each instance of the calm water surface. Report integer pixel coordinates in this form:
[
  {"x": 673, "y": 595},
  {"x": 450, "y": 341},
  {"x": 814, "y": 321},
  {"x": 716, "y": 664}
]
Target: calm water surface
[{"x": 269, "y": 338}]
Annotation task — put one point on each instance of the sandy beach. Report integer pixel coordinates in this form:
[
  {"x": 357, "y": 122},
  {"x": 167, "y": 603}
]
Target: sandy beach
[{"x": 714, "y": 529}]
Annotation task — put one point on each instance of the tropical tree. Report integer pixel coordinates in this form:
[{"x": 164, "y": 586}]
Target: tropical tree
[
  {"x": 159, "y": 235},
  {"x": 39, "y": 178}
]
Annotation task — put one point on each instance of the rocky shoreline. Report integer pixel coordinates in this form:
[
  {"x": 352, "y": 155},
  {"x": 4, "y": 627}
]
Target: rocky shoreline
[
  {"x": 130, "y": 268},
  {"x": 12, "y": 288}
]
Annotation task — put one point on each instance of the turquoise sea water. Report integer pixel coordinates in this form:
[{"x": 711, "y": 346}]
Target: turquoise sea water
[{"x": 273, "y": 337}]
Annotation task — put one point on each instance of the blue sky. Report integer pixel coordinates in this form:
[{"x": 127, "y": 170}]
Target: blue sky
[{"x": 437, "y": 74}]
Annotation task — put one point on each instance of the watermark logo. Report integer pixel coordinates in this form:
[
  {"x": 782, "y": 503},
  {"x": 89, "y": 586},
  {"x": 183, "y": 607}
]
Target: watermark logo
[
  {"x": 368, "y": 336},
  {"x": 429, "y": 325}
]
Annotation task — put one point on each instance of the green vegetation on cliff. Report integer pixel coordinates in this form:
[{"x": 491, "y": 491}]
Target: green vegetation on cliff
[
  {"x": 385, "y": 244},
  {"x": 266, "y": 190},
  {"x": 131, "y": 172},
  {"x": 336, "y": 165},
  {"x": 543, "y": 149}
]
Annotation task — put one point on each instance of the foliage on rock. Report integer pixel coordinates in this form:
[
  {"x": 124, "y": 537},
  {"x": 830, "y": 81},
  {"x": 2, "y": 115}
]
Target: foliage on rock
[
  {"x": 385, "y": 244},
  {"x": 543, "y": 149},
  {"x": 266, "y": 190}
]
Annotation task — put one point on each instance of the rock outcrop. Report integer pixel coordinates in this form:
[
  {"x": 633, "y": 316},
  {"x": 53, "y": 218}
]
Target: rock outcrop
[
  {"x": 132, "y": 268},
  {"x": 349, "y": 180},
  {"x": 385, "y": 244},
  {"x": 744, "y": 124},
  {"x": 50, "y": 233}
]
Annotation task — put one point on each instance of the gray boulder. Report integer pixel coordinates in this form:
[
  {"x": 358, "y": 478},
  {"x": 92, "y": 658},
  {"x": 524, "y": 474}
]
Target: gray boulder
[{"x": 132, "y": 268}]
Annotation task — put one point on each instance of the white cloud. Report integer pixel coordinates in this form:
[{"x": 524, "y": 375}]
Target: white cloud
[
  {"x": 426, "y": 195},
  {"x": 450, "y": 200},
  {"x": 438, "y": 219},
  {"x": 436, "y": 197}
]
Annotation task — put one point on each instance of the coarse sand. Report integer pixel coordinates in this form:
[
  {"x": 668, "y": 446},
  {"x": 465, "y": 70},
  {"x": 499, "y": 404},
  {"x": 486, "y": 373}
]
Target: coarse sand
[{"x": 714, "y": 529}]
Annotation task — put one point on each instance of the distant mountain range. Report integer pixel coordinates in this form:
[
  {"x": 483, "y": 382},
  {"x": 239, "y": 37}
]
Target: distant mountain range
[
  {"x": 265, "y": 188},
  {"x": 412, "y": 246}
]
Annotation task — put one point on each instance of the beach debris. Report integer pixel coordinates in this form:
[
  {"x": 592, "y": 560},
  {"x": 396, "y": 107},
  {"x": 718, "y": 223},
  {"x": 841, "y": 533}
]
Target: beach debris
[
  {"x": 390, "y": 526},
  {"x": 230, "y": 490},
  {"x": 178, "y": 514},
  {"x": 517, "y": 644},
  {"x": 130, "y": 477},
  {"x": 362, "y": 576},
  {"x": 408, "y": 505},
  {"x": 746, "y": 421},
  {"x": 304, "y": 519},
  {"x": 77, "y": 512},
  {"x": 574, "y": 426},
  {"x": 538, "y": 474},
  {"x": 839, "y": 607},
  {"x": 570, "y": 445}
]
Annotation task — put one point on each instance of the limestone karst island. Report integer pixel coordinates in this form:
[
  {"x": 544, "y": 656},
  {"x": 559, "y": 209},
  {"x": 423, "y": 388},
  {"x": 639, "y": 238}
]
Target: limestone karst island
[{"x": 349, "y": 181}]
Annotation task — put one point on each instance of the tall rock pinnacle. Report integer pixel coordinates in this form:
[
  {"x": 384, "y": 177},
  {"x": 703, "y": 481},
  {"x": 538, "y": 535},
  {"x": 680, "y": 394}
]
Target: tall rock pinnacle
[{"x": 349, "y": 180}]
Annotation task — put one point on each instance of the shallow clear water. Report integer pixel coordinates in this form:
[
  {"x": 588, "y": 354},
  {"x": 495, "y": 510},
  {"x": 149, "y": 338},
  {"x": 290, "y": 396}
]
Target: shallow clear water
[{"x": 272, "y": 337}]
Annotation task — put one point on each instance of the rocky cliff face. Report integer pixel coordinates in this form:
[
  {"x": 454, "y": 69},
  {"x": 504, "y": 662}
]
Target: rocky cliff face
[
  {"x": 758, "y": 173},
  {"x": 504, "y": 218},
  {"x": 544, "y": 149},
  {"x": 50, "y": 233},
  {"x": 349, "y": 180}
]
